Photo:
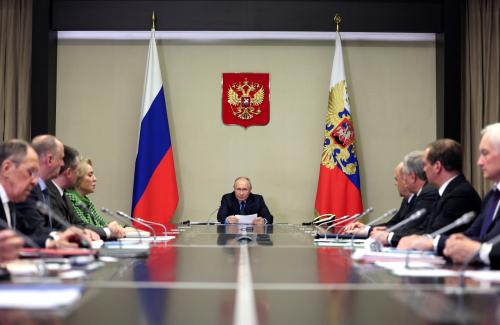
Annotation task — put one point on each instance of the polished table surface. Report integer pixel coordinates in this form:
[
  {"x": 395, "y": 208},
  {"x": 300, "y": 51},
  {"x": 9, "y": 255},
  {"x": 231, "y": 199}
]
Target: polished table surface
[{"x": 194, "y": 280}]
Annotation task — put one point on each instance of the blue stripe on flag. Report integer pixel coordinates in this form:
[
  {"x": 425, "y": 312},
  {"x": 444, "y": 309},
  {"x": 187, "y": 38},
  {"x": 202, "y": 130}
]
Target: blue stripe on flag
[{"x": 154, "y": 142}]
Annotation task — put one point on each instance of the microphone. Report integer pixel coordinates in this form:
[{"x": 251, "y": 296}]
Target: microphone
[
  {"x": 389, "y": 213},
  {"x": 465, "y": 218},
  {"x": 340, "y": 220},
  {"x": 324, "y": 219},
  {"x": 375, "y": 245},
  {"x": 318, "y": 218},
  {"x": 30, "y": 242},
  {"x": 355, "y": 217},
  {"x": 495, "y": 240},
  {"x": 211, "y": 214},
  {"x": 109, "y": 213},
  {"x": 46, "y": 210},
  {"x": 124, "y": 215},
  {"x": 42, "y": 267},
  {"x": 165, "y": 232}
]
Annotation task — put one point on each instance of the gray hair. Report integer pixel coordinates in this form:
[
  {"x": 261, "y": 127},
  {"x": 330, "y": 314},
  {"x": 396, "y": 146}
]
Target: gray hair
[
  {"x": 14, "y": 150},
  {"x": 243, "y": 178},
  {"x": 413, "y": 163},
  {"x": 493, "y": 131}
]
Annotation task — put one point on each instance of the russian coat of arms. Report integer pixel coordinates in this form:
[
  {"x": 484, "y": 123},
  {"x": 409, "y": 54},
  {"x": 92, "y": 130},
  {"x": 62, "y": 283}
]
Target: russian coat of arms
[{"x": 245, "y": 99}]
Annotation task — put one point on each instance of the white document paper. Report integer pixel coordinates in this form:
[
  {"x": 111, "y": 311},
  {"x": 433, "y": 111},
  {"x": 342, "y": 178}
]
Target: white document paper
[
  {"x": 146, "y": 240},
  {"x": 246, "y": 219},
  {"x": 437, "y": 273},
  {"x": 38, "y": 297},
  {"x": 137, "y": 233},
  {"x": 484, "y": 275},
  {"x": 402, "y": 265}
]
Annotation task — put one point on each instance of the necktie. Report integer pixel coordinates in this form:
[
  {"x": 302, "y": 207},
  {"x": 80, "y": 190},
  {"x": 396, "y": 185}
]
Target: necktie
[
  {"x": 242, "y": 207},
  {"x": 46, "y": 200},
  {"x": 490, "y": 211}
]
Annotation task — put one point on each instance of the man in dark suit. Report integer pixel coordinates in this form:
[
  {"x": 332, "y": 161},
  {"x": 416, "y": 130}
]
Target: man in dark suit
[
  {"x": 60, "y": 203},
  {"x": 243, "y": 202},
  {"x": 443, "y": 167},
  {"x": 424, "y": 195},
  {"x": 18, "y": 175},
  {"x": 19, "y": 168},
  {"x": 361, "y": 230},
  {"x": 474, "y": 240},
  {"x": 43, "y": 229}
]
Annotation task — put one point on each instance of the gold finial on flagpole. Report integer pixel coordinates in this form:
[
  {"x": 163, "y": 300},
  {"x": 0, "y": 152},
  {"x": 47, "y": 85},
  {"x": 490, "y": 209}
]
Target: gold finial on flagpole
[
  {"x": 153, "y": 18},
  {"x": 337, "y": 19}
]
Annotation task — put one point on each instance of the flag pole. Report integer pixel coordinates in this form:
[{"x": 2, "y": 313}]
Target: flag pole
[
  {"x": 337, "y": 19},
  {"x": 153, "y": 20}
]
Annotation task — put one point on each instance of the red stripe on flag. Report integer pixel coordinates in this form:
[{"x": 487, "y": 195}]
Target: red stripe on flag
[
  {"x": 337, "y": 194},
  {"x": 159, "y": 200}
]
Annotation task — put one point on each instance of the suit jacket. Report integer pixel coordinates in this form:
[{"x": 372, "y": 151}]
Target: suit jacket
[
  {"x": 31, "y": 222},
  {"x": 458, "y": 198},
  {"x": 63, "y": 208},
  {"x": 425, "y": 200},
  {"x": 474, "y": 231},
  {"x": 404, "y": 208},
  {"x": 229, "y": 206},
  {"x": 3, "y": 217},
  {"x": 495, "y": 256}
]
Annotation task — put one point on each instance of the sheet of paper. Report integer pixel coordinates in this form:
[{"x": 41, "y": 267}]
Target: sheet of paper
[
  {"x": 396, "y": 265},
  {"x": 38, "y": 296},
  {"x": 126, "y": 245},
  {"x": 396, "y": 255},
  {"x": 338, "y": 243},
  {"x": 246, "y": 219},
  {"x": 425, "y": 272},
  {"x": 147, "y": 239},
  {"x": 484, "y": 275},
  {"x": 136, "y": 233}
]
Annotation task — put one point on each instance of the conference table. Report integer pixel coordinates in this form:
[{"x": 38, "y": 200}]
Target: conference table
[{"x": 275, "y": 274}]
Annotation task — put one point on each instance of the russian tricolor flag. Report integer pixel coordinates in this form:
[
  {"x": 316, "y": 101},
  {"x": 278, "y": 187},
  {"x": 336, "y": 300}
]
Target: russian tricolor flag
[{"x": 155, "y": 195}]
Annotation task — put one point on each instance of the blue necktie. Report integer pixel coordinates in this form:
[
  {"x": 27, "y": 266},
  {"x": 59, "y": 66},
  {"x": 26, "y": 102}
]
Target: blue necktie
[
  {"x": 242, "y": 207},
  {"x": 46, "y": 200},
  {"x": 490, "y": 210}
]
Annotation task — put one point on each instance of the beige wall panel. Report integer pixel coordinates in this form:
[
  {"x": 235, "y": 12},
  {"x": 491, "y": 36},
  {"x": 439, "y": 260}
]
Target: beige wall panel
[{"x": 392, "y": 92}]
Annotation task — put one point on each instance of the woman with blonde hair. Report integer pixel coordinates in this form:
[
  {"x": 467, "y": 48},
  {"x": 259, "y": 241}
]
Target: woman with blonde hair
[{"x": 83, "y": 206}]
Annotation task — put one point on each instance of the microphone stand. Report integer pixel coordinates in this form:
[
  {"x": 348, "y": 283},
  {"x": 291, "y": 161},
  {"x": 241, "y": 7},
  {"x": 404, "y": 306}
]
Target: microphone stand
[
  {"x": 375, "y": 244},
  {"x": 355, "y": 217},
  {"x": 465, "y": 218},
  {"x": 165, "y": 232},
  {"x": 124, "y": 215},
  {"x": 333, "y": 225},
  {"x": 47, "y": 210},
  {"x": 109, "y": 213},
  {"x": 211, "y": 214},
  {"x": 30, "y": 242},
  {"x": 389, "y": 213}
]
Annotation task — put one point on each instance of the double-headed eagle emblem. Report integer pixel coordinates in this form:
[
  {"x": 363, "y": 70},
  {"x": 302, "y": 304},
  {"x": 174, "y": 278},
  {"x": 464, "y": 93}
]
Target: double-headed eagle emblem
[
  {"x": 339, "y": 149},
  {"x": 245, "y": 99}
]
